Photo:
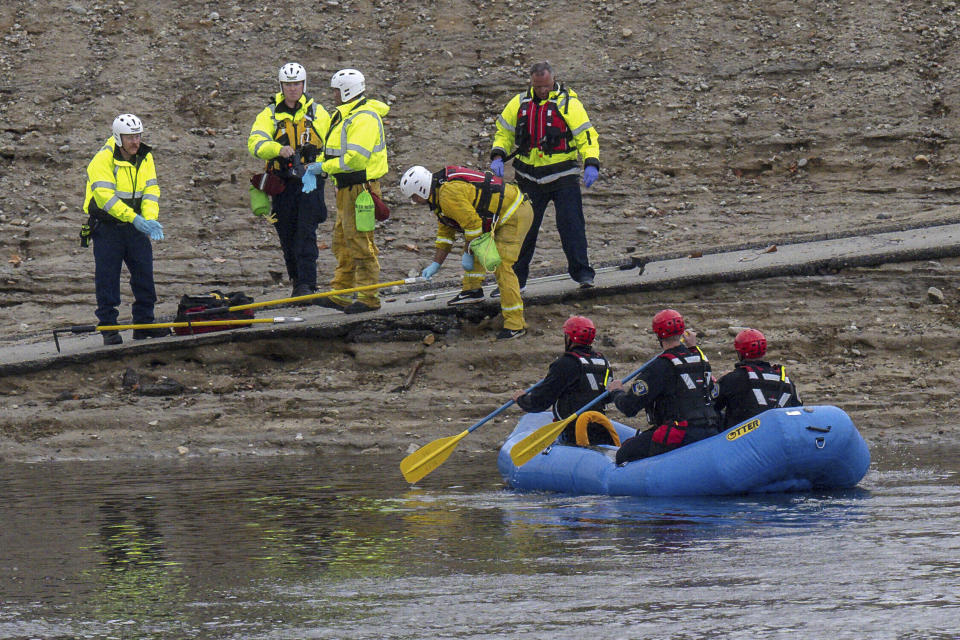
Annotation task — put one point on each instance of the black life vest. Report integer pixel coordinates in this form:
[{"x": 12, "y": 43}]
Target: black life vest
[
  {"x": 303, "y": 139},
  {"x": 540, "y": 125},
  {"x": 770, "y": 388},
  {"x": 486, "y": 184},
  {"x": 594, "y": 373},
  {"x": 691, "y": 400}
]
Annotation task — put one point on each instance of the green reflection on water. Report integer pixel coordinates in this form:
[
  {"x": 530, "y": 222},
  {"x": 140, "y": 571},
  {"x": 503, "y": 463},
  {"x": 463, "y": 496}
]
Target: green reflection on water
[
  {"x": 348, "y": 536},
  {"x": 134, "y": 579}
]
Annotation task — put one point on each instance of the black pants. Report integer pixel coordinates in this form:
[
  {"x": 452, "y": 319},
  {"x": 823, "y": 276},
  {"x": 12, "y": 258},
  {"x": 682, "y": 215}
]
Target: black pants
[
  {"x": 298, "y": 215},
  {"x": 571, "y": 226},
  {"x": 642, "y": 445},
  {"x": 115, "y": 245}
]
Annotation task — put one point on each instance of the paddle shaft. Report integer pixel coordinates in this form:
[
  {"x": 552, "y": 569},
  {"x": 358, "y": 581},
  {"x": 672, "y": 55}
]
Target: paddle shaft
[
  {"x": 624, "y": 381},
  {"x": 424, "y": 460},
  {"x": 535, "y": 442},
  {"x": 493, "y": 415},
  {"x": 502, "y": 408}
]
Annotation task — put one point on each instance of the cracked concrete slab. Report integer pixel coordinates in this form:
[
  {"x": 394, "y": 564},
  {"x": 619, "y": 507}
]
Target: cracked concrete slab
[{"x": 421, "y": 306}]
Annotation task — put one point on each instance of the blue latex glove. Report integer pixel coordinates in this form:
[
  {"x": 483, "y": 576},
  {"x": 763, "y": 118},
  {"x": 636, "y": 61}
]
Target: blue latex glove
[
  {"x": 497, "y": 166},
  {"x": 467, "y": 261},
  {"x": 590, "y": 174},
  {"x": 140, "y": 224},
  {"x": 149, "y": 228},
  {"x": 155, "y": 230},
  {"x": 309, "y": 181},
  {"x": 314, "y": 167},
  {"x": 431, "y": 269}
]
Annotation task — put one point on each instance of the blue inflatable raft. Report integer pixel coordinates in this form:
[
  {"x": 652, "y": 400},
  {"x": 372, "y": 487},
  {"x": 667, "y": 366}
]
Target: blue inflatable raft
[{"x": 794, "y": 449}]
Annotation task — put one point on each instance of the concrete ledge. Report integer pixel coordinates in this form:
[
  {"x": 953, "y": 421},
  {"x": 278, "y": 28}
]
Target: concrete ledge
[{"x": 406, "y": 311}]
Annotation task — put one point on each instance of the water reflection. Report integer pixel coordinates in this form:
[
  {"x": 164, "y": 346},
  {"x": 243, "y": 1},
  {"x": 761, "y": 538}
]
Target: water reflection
[
  {"x": 134, "y": 579},
  {"x": 346, "y": 535},
  {"x": 300, "y": 548}
]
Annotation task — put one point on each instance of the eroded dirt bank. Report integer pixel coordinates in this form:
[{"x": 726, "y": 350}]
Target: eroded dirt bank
[{"x": 868, "y": 340}]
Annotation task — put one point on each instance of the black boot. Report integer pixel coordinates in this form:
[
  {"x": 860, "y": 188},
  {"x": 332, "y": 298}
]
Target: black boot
[
  {"x": 301, "y": 290},
  {"x": 153, "y": 332},
  {"x": 111, "y": 338}
]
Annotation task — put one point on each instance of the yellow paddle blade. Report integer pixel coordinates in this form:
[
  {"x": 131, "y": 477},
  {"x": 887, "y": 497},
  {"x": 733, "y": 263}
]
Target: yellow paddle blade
[
  {"x": 428, "y": 457},
  {"x": 524, "y": 451}
]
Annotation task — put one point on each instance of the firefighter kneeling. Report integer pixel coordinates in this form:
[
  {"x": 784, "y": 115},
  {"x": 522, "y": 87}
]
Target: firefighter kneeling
[{"x": 493, "y": 217}]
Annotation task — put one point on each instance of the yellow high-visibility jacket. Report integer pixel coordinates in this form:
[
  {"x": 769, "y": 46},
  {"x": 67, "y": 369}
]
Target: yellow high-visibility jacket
[
  {"x": 278, "y": 126},
  {"x": 455, "y": 203},
  {"x": 355, "y": 148},
  {"x": 121, "y": 188},
  {"x": 535, "y": 165}
]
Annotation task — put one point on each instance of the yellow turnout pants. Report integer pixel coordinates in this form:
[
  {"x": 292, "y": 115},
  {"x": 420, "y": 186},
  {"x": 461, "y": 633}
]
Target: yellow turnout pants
[
  {"x": 508, "y": 236},
  {"x": 355, "y": 251}
]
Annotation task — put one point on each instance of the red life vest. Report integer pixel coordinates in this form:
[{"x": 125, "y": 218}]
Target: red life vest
[
  {"x": 486, "y": 184},
  {"x": 541, "y": 126}
]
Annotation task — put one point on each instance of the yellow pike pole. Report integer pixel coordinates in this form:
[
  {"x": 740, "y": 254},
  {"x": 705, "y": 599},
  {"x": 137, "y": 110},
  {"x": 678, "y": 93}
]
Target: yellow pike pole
[
  {"x": 91, "y": 328},
  {"x": 309, "y": 296}
]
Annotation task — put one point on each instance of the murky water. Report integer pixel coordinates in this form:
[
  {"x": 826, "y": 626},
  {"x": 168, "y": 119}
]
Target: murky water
[{"x": 342, "y": 548}]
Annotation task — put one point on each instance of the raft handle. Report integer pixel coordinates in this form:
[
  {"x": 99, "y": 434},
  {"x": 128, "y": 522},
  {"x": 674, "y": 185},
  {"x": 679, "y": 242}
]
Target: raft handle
[{"x": 825, "y": 429}]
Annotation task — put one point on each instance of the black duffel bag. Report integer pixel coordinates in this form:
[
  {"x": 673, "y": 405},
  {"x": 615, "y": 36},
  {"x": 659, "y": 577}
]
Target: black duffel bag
[{"x": 212, "y": 306}]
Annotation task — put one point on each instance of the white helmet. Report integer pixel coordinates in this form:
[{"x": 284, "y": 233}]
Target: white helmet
[
  {"x": 293, "y": 72},
  {"x": 350, "y": 82},
  {"x": 416, "y": 182},
  {"x": 126, "y": 124}
]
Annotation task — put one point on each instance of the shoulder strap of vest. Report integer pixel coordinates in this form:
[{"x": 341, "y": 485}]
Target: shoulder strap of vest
[{"x": 485, "y": 190}]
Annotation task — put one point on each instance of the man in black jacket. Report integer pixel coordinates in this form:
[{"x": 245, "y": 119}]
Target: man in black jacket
[
  {"x": 677, "y": 391},
  {"x": 754, "y": 385},
  {"x": 574, "y": 379}
]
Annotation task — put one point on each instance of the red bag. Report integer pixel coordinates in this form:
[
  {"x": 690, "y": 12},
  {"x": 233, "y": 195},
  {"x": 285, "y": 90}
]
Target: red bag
[
  {"x": 380, "y": 209},
  {"x": 670, "y": 435},
  {"x": 212, "y": 306},
  {"x": 268, "y": 183}
]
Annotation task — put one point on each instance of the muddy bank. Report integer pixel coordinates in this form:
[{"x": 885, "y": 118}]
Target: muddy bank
[{"x": 869, "y": 340}]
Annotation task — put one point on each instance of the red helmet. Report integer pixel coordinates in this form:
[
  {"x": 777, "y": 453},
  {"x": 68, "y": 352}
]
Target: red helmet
[
  {"x": 668, "y": 323},
  {"x": 750, "y": 344},
  {"x": 580, "y": 330}
]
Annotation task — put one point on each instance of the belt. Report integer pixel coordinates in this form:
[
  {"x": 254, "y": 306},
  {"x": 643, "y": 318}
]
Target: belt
[{"x": 351, "y": 179}]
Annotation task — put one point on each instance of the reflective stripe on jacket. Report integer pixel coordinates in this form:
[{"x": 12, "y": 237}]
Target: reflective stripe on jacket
[
  {"x": 692, "y": 395},
  {"x": 535, "y": 165},
  {"x": 275, "y": 125},
  {"x": 592, "y": 381},
  {"x": 356, "y": 142},
  {"x": 121, "y": 188},
  {"x": 753, "y": 387},
  {"x": 456, "y": 201}
]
